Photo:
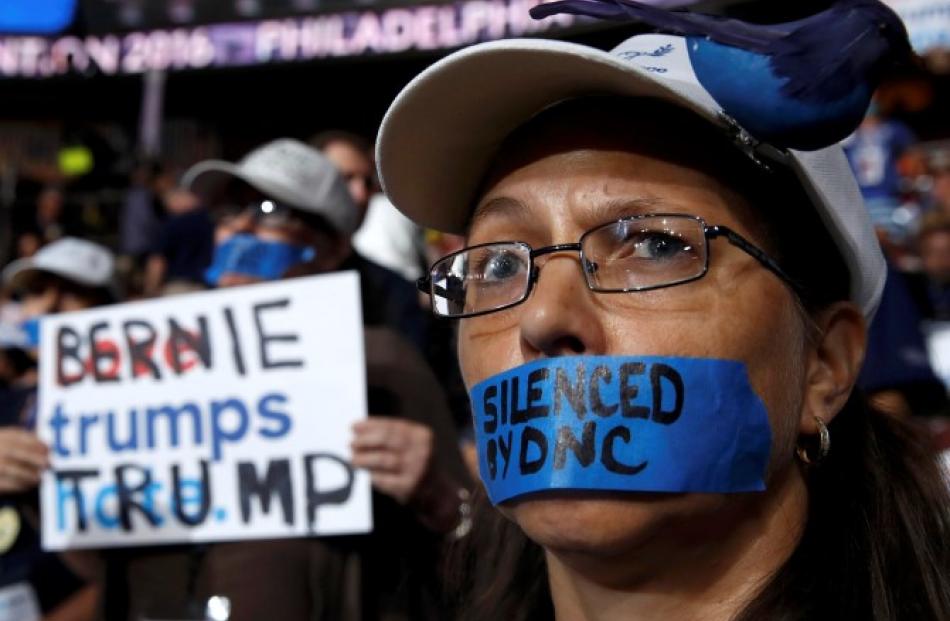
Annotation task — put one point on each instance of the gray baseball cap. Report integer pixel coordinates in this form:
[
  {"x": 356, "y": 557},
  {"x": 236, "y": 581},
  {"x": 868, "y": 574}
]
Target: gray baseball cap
[
  {"x": 442, "y": 131},
  {"x": 291, "y": 173},
  {"x": 73, "y": 259}
]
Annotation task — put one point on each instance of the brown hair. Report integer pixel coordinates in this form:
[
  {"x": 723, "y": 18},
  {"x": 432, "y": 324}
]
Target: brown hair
[{"x": 876, "y": 544}]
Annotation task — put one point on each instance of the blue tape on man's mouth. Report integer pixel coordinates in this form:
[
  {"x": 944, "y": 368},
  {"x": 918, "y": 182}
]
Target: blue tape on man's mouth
[
  {"x": 626, "y": 424},
  {"x": 248, "y": 255}
]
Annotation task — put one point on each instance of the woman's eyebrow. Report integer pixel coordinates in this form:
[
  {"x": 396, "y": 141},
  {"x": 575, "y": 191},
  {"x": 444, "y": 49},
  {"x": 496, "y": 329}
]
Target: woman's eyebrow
[
  {"x": 614, "y": 209},
  {"x": 590, "y": 214},
  {"x": 500, "y": 206}
]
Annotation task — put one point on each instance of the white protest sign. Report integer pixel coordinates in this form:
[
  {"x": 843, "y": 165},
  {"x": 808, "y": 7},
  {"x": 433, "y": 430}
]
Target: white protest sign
[{"x": 213, "y": 416}]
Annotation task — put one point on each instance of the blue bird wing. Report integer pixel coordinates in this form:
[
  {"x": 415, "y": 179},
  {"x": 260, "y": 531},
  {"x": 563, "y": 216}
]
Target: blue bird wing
[
  {"x": 823, "y": 57},
  {"x": 828, "y": 58},
  {"x": 752, "y": 37}
]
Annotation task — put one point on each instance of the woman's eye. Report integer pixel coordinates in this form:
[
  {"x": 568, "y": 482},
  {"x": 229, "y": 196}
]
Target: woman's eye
[
  {"x": 499, "y": 266},
  {"x": 652, "y": 246}
]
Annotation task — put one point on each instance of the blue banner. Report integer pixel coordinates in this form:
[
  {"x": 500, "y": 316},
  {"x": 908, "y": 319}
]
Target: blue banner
[
  {"x": 36, "y": 16},
  {"x": 626, "y": 424}
]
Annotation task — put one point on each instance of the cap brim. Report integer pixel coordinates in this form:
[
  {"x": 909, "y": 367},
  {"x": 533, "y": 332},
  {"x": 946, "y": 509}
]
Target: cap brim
[
  {"x": 439, "y": 136},
  {"x": 210, "y": 175},
  {"x": 442, "y": 131},
  {"x": 17, "y": 273},
  {"x": 206, "y": 174}
]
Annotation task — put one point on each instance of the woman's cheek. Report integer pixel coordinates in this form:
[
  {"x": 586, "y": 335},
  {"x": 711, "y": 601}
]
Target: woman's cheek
[
  {"x": 777, "y": 371},
  {"x": 484, "y": 352},
  {"x": 467, "y": 356}
]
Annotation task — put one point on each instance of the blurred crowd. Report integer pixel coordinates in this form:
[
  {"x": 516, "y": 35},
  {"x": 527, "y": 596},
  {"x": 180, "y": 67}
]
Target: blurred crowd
[
  {"x": 906, "y": 188},
  {"x": 291, "y": 208},
  {"x": 286, "y": 209}
]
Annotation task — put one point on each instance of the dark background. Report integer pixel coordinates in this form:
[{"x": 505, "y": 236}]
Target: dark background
[{"x": 245, "y": 106}]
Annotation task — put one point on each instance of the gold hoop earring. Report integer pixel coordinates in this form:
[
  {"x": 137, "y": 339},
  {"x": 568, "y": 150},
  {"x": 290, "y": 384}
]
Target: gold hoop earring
[{"x": 824, "y": 445}]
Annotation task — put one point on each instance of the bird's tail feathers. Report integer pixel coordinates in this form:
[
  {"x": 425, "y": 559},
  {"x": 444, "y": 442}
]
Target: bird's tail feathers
[
  {"x": 812, "y": 75},
  {"x": 727, "y": 31},
  {"x": 623, "y": 10},
  {"x": 582, "y": 8}
]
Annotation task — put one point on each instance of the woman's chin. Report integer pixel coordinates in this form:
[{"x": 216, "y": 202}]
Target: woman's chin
[{"x": 603, "y": 524}]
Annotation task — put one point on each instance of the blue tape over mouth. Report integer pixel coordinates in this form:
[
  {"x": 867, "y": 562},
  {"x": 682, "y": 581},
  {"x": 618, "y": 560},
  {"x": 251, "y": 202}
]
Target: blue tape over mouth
[
  {"x": 624, "y": 424},
  {"x": 247, "y": 255}
]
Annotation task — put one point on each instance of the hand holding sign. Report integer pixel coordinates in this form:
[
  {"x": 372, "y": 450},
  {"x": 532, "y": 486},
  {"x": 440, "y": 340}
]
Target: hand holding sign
[
  {"x": 23, "y": 457},
  {"x": 399, "y": 455}
]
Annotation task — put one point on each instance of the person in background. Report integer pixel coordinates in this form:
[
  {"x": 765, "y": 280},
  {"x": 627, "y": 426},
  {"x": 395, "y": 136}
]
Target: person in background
[
  {"x": 898, "y": 376},
  {"x": 27, "y": 244},
  {"x": 46, "y": 220},
  {"x": 874, "y": 151},
  {"x": 930, "y": 289},
  {"x": 50, "y": 214},
  {"x": 140, "y": 221},
  {"x": 186, "y": 245},
  {"x": 67, "y": 275},
  {"x": 284, "y": 211},
  {"x": 940, "y": 191},
  {"x": 352, "y": 156},
  {"x": 385, "y": 236},
  {"x": 931, "y": 286},
  {"x": 276, "y": 177}
]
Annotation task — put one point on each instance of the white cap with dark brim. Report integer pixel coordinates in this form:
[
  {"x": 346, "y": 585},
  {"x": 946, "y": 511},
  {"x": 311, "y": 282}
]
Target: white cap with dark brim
[{"x": 441, "y": 133}]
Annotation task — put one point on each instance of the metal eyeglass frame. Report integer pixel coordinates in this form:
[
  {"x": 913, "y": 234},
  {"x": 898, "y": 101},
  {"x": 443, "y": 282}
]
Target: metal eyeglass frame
[{"x": 425, "y": 285}]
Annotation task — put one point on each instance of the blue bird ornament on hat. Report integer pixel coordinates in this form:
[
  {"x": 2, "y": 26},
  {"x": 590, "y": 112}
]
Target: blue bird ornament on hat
[{"x": 801, "y": 85}]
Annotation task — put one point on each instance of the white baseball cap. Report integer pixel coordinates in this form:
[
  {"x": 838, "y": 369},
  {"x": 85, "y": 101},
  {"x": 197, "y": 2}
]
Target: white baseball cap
[
  {"x": 73, "y": 259},
  {"x": 289, "y": 172},
  {"x": 441, "y": 133}
]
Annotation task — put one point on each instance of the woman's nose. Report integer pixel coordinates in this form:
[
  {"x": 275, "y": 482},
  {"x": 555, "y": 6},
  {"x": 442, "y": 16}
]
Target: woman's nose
[{"x": 560, "y": 317}]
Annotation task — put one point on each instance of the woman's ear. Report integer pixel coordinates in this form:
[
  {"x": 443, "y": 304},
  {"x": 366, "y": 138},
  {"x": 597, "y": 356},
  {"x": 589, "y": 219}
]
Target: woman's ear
[{"x": 833, "y": 363}]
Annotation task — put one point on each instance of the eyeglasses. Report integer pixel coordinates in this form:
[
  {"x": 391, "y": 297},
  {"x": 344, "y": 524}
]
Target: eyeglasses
[
  {"x": 639, "y": 253},
  {"x": 271, "y": 213},
  {"x": 258, "y": 210}
]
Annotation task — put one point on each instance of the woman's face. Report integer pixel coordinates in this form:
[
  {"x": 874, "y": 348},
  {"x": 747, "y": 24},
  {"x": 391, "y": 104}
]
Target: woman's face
[{"x": 551, "y": 190}]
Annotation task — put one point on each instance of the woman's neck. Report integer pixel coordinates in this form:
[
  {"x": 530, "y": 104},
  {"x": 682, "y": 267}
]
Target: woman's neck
[{"x": 708, "y": 576}]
